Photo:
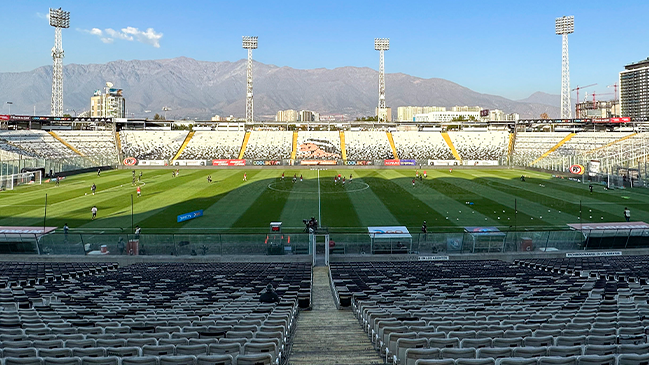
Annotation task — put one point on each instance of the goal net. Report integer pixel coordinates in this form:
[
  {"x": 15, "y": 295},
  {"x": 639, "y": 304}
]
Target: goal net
[{"x": 9, "y": 182}]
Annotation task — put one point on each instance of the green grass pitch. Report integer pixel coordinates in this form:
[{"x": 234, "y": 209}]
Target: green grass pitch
[{"x": 447, "y": 200}]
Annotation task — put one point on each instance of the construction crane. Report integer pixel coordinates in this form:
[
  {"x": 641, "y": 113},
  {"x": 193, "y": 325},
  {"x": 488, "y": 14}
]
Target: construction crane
[
  {"x": 614, "y": 86},
  {"x": 600, "y": 94},
  {"x": 581, "y": 87}
]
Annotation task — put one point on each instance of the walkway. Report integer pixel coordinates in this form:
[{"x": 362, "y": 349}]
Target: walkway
[{"x": 328, "y": 336}]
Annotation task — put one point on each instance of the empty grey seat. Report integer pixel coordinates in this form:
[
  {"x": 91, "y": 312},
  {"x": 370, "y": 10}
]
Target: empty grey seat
[
  {"x": 140, "y": 342},
  {"x": 507, "y": 342},
  {"x": 23, "y": 361},
  {"x": 254, "y": 359},
  {"x": 538, "y": 341},
  {"x": 140, "y": 360},
  {"x": 225, "y": 349},
  {"x": 564, "y": 351},
  {"x": 530, "y": 351},
  {"x": 80, "y": 343},
  {"x": 557, "y": 360},
  {"x": 55, "y": 352},
  {"x": 516, "y": 361},
  {"x": 113, "y": 342},
  {"x": 198, "y": 349},
  {"x": 633, "y": 349},
  {"x": 600, "y": 349},
  {"x": 61, "y": 361},
  {"x": 50, "y": 344},
  {"x": 570, "y": 341},
  {"x": 404, "y": 344},
  {"x": 494, "y": 352},
  {"x": 174, "y": 341},
  {"x": 476, "y": 342},
  {"x": 483, "y": 361},
  {"x": 444, "y": 342},
  {"x": 158, "y": 350},
  {"x": 110, "y": 360},
  {"x": 596, "y": 360},
  {"x": 435, "y": 362},
  {"x": 123, "y": 351},
  {"x": 19, "y": 352},
  {"x": 177, "y": 360},
  {"x": 633, "y": 359},
  {"x": 457, "y": 353},
  {"x": 214, "y": 360},
  {"x": 412, "y": 355}
]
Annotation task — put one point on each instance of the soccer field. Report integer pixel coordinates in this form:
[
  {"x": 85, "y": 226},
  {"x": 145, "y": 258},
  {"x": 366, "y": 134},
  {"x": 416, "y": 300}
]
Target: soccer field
[{"x": 447, "y": 200}]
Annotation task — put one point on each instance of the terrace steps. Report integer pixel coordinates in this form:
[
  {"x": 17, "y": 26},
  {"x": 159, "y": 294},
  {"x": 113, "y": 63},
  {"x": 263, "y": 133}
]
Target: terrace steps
[
  {"x": 294, "y": 148},
  {"x": 57, "y": 137},
  {"x": 118, "y": 145},
  {"x": 343, "y": 150},
  {"x": 510, "y": 145},
  {"x": 182, "y": 146},
  {"x": 612, "y": 143},
  {"x": 246, "y": 137},
  {"x": 448, "y": 141},
  {"x": 326, "y": 335},
  {"x": 554, "y": 148},
  {"x": 394, "y": 148}
]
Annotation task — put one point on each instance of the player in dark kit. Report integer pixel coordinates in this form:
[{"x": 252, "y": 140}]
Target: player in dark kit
[{"x": 93, "y": 188}]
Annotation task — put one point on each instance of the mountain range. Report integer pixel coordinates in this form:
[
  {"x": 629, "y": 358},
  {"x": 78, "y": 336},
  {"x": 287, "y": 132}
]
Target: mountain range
[{"x": 201, "y": 89}]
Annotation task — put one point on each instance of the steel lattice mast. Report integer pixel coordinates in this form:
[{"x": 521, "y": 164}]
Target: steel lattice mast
[
  {"x": 564, "y": 26},
  {"x": 381, "y": 45},
  {"x": 59, "y": 19},
  {"x": 249, "y": 43}
]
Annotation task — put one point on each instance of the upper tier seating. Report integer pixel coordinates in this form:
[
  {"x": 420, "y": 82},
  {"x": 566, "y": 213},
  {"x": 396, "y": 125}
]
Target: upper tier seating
[
  {"x": 317, "y": 145},
  {"x": 91, "y": 143},
  {"x": 151, "y": 145},
  {"x": 587, "y": 141},
  {"x": 531, "y": 145},
  {"x": 480, "y": 145},
  {"x": 367, "y": 145},
  {"x": 210, "y": 145},
  {"x": 421, "y": 146},
  {"x": 269, "y": 145}
]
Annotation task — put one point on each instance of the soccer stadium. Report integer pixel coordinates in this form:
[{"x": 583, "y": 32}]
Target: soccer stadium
[{"x": 463, "y": 246}]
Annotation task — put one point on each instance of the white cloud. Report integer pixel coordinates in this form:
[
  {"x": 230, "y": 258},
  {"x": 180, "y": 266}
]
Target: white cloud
[
  {"x": 109, "y": 35},
  {"x": 43, "y": 16}
]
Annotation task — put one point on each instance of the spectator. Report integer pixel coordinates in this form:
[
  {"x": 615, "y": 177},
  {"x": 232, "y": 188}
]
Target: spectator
[{"x": 269, "y": 296}]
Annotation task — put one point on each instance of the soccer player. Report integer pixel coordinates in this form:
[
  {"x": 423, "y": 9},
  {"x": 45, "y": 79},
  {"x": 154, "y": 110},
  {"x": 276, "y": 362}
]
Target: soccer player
[
  {"x": 335, "y": 180},
  {"x": 413, "y": 183},
  {"x": 139, "y": 192},
  {"x": 590, "y": 187},
  {"x": 301, "y": 178},
  {"x": 58, "y": 181},
  {"x": 94, "y": 212},
  {"x": 350, "y": 178},
  {"x": 282, "y": 176},
  {"x": 417, "y": 174},
  {"x": 343, "y": 180},
  {"x": 209, "y": 178},
  {"x": 98, "y": 172},
  {"x": 294, "y": 178},
  {"x": 133, "y": 181},
  {"x": 140, "y": 177},
  {"x": 627, "y": 214},
  {"x": 133, "y": 173},
  {"x": 450, "y": 170},
  {"x": 245, "y": 177},
  {"x": 425, "y": 175},
  {"x": 93, "y": 188}
]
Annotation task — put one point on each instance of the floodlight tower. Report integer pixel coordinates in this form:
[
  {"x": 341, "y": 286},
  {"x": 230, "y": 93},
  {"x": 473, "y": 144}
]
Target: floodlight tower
[
  {"x": 564, "y": 26},
  {"x": 249, "y": 43},
  {"x": 59, "y": 19},
  {"x": 381, "y": 45}
]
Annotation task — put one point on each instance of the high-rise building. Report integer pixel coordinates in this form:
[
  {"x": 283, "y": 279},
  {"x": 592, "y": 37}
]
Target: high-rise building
[
  {"x": 111, "y": 103},
  {"x": 384, "y": 114},
  {"x": 634, "y": 90},
  {"x": 407, "y": 113},
  {"x": 306, "y": 116},
  {"x": 465, "y": 108},
  {"x": 289, "y": 115}
]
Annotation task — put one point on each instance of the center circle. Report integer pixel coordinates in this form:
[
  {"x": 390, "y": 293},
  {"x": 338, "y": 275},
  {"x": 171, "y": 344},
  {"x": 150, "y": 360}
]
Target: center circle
[{"x": 357, "y": 186}]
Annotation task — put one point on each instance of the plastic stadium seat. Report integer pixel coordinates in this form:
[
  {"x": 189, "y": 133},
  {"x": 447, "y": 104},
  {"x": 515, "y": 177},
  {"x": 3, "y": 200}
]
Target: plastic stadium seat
[
  {"x": 61, "y": 361},
  {"x": 225, "y": 349},
  {"x": 457, "y": 353},
  {"x": 254, "y": 359},
  {"x": 507, "y": 342},
  {"x": 530, "y": 351},
  {"x": 633, "y": 359},
  {"x": 516, "y": 361},
  {"x": 570, "y": 341},
  {"x": 404, "y": 344},
  {"x": 444, "y": 342},
  {"x": 412, "y": 355},
  {"x": 110, "y": 360},
  {"x": 482, "y": 361},
  {"x": 19, "y": 352},
  {"x": 494, "y": 352},
  {"x": 56, "y": 352},
  {"x": 158, "y": 350},
  {"x": 538, "y": 341},
  {"x": 81, "y": 343},
  {"x": 435, "y": 362},
  {"x": 177, "y": 360},
  {"x": 564, "y": 351},
  {"x": 214, "y": 360},
  {"x": 600, "y": 349},
  {"x": 140, "y": 360},
  {"x": 476, "y": 342},
  {"x": 125, "y": 351},
  {"x": 633, "y": 349},
  {"x": 596, "y": 360},
  {"x": 557, "y": 360},
  {"x": 200, "y": 349},
  {"x": 89, "y": 352}
]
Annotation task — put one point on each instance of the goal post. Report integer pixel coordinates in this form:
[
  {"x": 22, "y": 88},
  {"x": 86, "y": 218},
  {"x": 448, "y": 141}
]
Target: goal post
[{"x": 9, "y": 182}]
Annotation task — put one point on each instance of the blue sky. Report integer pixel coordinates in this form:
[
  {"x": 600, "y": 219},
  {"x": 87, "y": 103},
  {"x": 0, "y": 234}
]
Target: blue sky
[{"x": 502, "y": 47}]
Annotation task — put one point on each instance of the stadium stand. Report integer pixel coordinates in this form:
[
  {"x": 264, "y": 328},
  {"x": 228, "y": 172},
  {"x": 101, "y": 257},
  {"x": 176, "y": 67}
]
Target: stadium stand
[
  {"x": 318, "y": 145},
  {"x": 587, "y": 141},
  {"x": 35, "y": 143},
  {"x": 151, "y": 145},
  {"x": 421, "y": 145},
  {"x": 171, "y": 313},
  {"x": 493, "y": 311},
  {"x": 367, "y": 145},
  {"x": 91, "y": 143},
  {"x": 269, "y": 145},
  {"x": 489, "y": 145},
  {"x": 210, "y": 145},
  {"x": 531, "y": 145}
]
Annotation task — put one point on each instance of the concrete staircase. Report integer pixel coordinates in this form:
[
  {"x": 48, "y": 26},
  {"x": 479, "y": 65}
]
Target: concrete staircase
[
  {"x": 556, "y": 147},
  {"x": 450, "y": 145},
  {"x": 246, "y": 137},
  {"x": 182, "y": 146},
  {"x": 294, "y": 150},
  {"x": 328, "y": 336},
  {"x": 343, "y": 150},
  {"x": 71, "y": 147},
  {"x": 394, "y": 148}
]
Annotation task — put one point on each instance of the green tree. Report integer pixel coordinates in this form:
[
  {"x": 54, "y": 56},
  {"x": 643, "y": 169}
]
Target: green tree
[{"x": 158, "y": 117}]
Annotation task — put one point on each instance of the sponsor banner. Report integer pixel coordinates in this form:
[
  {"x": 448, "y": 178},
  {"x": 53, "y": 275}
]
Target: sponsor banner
[
  {"x": 577, "y": 169},
  {"x": 407, "y": 162},
  {"x": 593, "y": 167},
  {"x": 267, "y": 163},
  {"x": 189, "y": 163},
  {"x": 611, "y": 226},
  {"x": 190, "y": 215},
  {"x": 359, "y": 163},
  {"x": 389, "y": 232},
  {"x": 130, "y": 161},
  {"x": 318, "y": 162},
  {"x": 4, "y": 117},
  {"x": 442, "y": 162},
  {"x": 433, "y": 258},
  {"x": 593, "y": 254},
  {"x": 481, "y": 163},
  {"x": 151, "y": 163},
  {"x": 621, "y": 120},
  {"x": 391, "y": 162},
  {"x": 229, "y": 162}
]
